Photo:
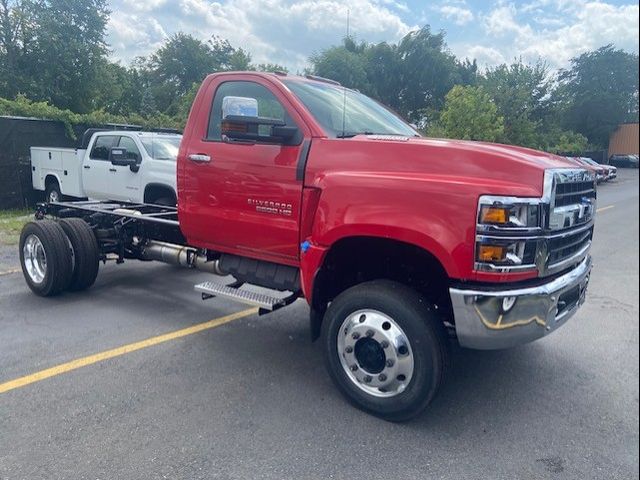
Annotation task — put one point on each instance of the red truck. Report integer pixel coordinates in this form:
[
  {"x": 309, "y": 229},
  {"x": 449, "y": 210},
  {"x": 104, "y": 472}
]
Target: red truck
[{"x": 398, "y": 243}]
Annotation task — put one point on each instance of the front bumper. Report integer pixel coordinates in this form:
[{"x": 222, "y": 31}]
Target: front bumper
[{"x": 489, "y": 319}]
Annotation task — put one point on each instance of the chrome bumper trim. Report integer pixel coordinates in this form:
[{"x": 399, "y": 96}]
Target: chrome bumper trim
[{"x": 488, "y": 319}]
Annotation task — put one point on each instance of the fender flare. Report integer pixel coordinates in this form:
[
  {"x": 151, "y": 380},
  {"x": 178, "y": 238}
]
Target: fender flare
[{"x": 158, "y": 185}]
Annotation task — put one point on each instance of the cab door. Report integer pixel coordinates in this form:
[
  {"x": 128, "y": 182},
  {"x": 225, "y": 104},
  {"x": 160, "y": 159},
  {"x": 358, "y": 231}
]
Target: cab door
[
  {"x": 96, "y": 168},
  {"x": 126, "y": 182},
  {"x": 242, "y": 197}
]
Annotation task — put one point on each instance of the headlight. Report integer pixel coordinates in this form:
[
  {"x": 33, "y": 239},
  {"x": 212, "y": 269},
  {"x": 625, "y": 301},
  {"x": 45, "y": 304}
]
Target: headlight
[
  {"x": 500, "y": 224},
  {"x": 509, "y": 212}
]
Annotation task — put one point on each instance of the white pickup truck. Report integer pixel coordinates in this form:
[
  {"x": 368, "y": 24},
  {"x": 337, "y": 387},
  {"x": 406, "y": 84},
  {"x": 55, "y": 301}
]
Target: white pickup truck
[{"x": 121, "y": 165}]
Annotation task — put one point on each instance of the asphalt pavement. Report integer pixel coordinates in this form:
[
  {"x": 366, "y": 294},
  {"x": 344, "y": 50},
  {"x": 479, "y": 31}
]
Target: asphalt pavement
[{"x": 250, "y": 398}]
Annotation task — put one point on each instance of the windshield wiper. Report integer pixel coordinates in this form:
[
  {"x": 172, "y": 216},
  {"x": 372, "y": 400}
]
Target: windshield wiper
[{"x": 353, "y": 134}]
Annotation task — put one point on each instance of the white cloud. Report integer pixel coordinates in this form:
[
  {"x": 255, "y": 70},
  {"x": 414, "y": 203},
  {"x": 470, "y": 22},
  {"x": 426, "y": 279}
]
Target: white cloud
[
  {"x": 288, "y": 31},
  {"x": 459, "y": 15},
  {"x": 586, "y": 25},
  {"x": 278, "y": 31}
]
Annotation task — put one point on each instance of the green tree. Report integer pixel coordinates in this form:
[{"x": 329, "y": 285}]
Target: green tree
[
  {"x": 15, "y": 36},
  {"x": 271, "y": 67},
  {"x": 118, "y": 90},
  {"x": 563, "y": 142},
  {"x": 343, "y": 64},
  {"x": 470, "y": 114},
  {"x": 520, "y": 92},
  {"x": 67, "y": 51},
  {"x": 428, "y": 71},
  {"x": 148, "y": 104},
  {"x": 52, "y": 49},
  {"x": 180, "y": 62},
  {"x": 183, "y": 60},
  {"x": 411, "y": 77},
  {"x": 598, "y": 92}
]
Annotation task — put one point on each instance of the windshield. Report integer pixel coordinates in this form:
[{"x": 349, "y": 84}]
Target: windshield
[
  {"x": 162, "y": 148},
  {"x": 345, "y": 113}
]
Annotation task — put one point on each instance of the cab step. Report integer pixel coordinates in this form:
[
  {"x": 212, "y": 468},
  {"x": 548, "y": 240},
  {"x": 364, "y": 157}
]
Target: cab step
[{"x": 266, "y": 303}]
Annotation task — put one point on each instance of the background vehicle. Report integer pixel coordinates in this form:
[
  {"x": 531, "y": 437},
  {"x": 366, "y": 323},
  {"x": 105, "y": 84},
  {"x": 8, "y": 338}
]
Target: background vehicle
[
  {"x": 624, "y": 161},
  {"x": 611, "y": 172},
  {"x": 307, "y": 189},
  {"x": 144, "y": 172},
  {"x": 601, "y": 172}
]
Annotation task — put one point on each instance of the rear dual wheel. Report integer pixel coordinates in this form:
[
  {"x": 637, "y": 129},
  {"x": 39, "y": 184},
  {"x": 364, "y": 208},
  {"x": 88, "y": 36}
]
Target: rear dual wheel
[
  {"x": 385, "y": 349},
  {"x": 58, "y": 256}
]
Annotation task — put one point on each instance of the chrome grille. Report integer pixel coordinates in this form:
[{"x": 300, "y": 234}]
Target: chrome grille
[
  {"x": 574, "y": 192},
  {"x": 572, "y": 207},
  {"x": 561, "y": 248}
]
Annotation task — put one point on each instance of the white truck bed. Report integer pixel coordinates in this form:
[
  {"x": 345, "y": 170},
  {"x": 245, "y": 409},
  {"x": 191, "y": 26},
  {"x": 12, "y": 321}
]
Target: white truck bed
[{"x": 65, "y": 164}]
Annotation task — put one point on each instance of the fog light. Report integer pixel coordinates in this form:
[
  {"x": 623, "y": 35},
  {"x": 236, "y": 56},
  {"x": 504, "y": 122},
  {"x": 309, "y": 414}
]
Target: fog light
[
  {"x": 508, "y": 303},
  {"x": 491, "y": 253}
]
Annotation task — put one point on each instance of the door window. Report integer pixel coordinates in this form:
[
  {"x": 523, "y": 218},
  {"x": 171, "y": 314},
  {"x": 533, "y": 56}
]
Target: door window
[
  {"x": 102, "y": 147},
  {"x": 244, "y": 98},
  {"x": 133, "y": 153}
]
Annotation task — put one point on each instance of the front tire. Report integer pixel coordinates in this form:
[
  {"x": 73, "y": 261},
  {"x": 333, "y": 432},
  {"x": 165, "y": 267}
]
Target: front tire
[
  {"x": 45, "y": 257},
  {"x": 385, "y": 349}
]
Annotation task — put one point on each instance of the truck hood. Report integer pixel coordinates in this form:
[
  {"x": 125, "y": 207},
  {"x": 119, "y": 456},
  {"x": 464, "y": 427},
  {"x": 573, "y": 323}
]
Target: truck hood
[
  {"x": 473, "y": 162},
  {"x": 470, "y": 149}
]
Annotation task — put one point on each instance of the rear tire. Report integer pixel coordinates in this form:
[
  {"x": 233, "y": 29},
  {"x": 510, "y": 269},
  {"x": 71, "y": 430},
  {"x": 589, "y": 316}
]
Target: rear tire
[
  {"x": 86, "y": 253},
  {"x": 45, "y": 257},
  {"x": 398, "y": 363}
]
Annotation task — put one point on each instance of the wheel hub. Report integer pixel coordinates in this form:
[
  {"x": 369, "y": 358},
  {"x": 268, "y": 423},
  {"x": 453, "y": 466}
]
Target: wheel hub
[
  {"x": 370, "y": 355},
  {"x": 375, "y": 353}
]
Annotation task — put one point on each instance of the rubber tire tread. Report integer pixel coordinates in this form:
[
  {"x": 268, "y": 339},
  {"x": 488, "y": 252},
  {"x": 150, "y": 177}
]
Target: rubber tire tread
[
  {"x": 86, "y": 253},
  {"x": 58, "y": 254},
  {"x": 426, "y": 333}
]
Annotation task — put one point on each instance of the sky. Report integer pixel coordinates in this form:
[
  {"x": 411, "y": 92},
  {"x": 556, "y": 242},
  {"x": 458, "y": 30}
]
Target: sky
[{"x": 288, "y": 32}]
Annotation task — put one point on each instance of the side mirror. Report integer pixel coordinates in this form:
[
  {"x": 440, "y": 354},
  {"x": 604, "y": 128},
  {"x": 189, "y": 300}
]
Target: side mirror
[
  {"x": 119, "y": 157},
  {"x": 247, "y": 128}
]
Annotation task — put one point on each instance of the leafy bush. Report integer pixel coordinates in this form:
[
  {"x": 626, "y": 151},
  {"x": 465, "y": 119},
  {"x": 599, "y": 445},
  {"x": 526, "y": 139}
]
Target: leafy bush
[{"x": 23, "y": 107}]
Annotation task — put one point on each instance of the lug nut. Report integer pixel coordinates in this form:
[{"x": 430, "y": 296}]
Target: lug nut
[
  {"x": 384, "y": 344},
  {"x": 355, "y": 335},
  {"x": 389, "y": 363},
  {"x": 354, "y": 368},
  {"x": 370, "y": 333},
  {"x": 367, "y": 379},
  {"x": 349, "y": 349},
  {"x": 382, "y": 377}
]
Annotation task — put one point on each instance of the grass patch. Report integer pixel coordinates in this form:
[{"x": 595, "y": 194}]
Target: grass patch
[{"x": 11, "y": 223}]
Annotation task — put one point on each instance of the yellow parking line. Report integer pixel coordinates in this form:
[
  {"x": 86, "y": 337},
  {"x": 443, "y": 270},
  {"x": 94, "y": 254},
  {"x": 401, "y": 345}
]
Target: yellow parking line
[
  {"x": 604, "y": 208},
  {"x": 116, "y": 352},
  {"x": 9, "y": 272}
]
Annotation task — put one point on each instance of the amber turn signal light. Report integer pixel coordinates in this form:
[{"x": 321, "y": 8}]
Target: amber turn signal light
[
  {"x": 491, "y": 253},
  {"x": 498, "y": 215}
]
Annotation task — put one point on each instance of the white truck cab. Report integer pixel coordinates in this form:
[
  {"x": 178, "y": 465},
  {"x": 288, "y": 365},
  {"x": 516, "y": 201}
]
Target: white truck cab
[{"x": 90, "y": 172}]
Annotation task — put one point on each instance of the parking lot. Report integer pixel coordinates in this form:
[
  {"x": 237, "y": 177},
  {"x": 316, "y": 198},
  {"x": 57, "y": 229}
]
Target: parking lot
[{"x": 243, "y": 396}]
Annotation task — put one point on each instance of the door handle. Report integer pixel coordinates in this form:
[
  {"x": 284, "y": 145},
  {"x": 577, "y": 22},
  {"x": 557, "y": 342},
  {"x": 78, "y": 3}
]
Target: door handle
[
  {"x": 199, "y": 158},
  {"x": 86, "y": 167},
  {"x": 113, "y": 170}
]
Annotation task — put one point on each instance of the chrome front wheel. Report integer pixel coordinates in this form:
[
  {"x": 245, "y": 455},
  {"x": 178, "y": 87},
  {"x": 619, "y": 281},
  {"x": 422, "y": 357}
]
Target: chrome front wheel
[
  {"x": 385, "y": 348},
  {"x": 375, "y": 353}
]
